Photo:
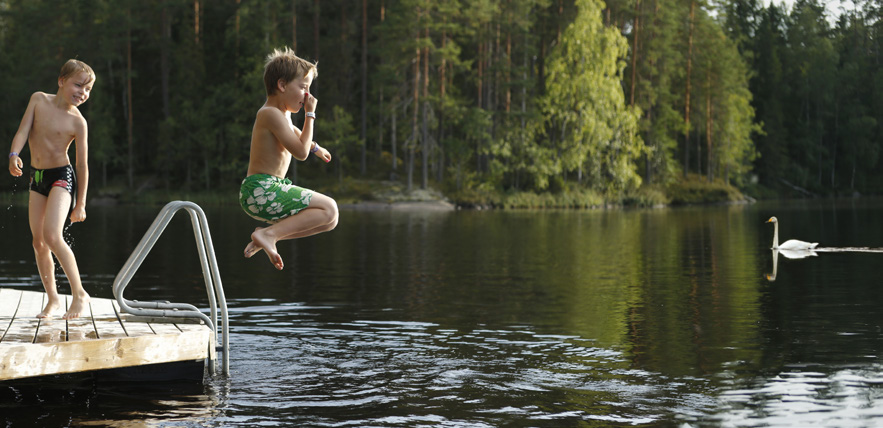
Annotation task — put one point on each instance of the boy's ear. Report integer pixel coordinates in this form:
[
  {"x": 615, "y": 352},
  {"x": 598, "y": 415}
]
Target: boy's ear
[
  {"x": 60, "y": 82},
  {"x": 280, "y": 85}
]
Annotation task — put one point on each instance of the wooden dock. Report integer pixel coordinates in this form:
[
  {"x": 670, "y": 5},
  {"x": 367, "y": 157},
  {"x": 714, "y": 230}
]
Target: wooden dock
[{"x": 102, "y": 338}]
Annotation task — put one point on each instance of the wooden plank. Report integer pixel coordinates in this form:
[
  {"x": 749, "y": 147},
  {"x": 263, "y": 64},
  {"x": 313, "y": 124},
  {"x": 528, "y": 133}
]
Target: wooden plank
[
  {"x": 9, "y": 299},
  {"x": 28, "y": 360},
  {"x": 81, "y": 328},
  {"x": 189, "y": 328},
  {"x": 165, "y": 328},
  {"x": 31, "y": 304},
  {"x": 132, "y": 323},
  {"x": 52, "y": 329},
  {"x": 23, "y": 329},
  {"x": 107, "y": 324},
  {"x": 135, "y": 328},
  {"x": 97, "y": 340}
]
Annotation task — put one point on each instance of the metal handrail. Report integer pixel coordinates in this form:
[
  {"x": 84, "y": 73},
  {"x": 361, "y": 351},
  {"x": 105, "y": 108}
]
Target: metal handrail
[{"x": 209, "y": 272}]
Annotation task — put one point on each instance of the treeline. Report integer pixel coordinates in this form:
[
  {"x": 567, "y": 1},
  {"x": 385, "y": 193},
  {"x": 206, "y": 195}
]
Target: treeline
[
  {"x": 495, "y": 95},
  {"x": 818, "y": 92}
]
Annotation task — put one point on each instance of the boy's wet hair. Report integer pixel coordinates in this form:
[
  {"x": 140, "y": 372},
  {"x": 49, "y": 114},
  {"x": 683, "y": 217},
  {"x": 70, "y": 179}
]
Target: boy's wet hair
[
  {"x": 285, "y": 65},
  {"x": 74, "y": 66}
]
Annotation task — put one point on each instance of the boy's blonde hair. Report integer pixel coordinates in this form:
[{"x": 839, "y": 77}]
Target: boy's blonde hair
[
  {"x": 74, "y": 66},
  {"x": 283, "y": 64}
]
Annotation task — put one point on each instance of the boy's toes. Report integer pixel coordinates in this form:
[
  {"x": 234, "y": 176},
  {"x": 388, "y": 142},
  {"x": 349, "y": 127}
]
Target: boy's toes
[
  {"x": 276, "y": 259},
  {"x": 251, "y": 249}
]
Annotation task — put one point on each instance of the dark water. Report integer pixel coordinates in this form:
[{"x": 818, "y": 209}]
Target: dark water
[{"x": 553, "y": 319}]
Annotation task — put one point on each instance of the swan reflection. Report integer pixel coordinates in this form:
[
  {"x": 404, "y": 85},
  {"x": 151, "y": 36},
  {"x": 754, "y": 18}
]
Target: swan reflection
[
  {"x": 813, "y": 252},
  {"x": 788, "y": 254}
]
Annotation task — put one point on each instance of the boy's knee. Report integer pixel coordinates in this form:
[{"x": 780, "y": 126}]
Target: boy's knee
[
  {"x": 39, "y": 244},
  {"x": 333, "y": 214},
  {"x": 53, "y": 241},
  {"x": 331, "y": 225}
]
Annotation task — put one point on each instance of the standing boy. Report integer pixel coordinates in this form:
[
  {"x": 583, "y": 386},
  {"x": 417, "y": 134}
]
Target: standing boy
[
  {"x": 292, "y": 211},
  {"x": 50, "y": 124}
]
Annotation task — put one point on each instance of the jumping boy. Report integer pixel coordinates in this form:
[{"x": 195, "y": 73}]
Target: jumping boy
[
  {"x": 292, "y": 211},
  {"x": 50, "y": 124}
]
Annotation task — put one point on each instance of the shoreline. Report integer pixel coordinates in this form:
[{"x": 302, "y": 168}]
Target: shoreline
[{"x": 398, "y": 206}]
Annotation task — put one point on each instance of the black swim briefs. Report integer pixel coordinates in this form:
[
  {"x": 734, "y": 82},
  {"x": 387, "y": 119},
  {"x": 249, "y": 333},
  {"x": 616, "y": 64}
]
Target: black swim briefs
[{"x": 43, "y": 180}]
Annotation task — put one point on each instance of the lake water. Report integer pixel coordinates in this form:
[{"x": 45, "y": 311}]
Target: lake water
[{"x": 661, "y": 317}]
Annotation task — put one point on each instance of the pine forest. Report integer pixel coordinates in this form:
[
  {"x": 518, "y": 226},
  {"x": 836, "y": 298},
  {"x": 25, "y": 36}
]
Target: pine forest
[{"x": 623, "y": 101}]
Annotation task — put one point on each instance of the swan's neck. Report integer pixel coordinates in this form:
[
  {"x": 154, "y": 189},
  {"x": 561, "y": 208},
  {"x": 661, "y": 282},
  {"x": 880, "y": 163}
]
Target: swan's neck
[{"x": 776, "y": 235}]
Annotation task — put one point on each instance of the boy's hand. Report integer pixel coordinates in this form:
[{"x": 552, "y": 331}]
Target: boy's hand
[
  {"x": 78, "y": 214},
  {"x": 323, "y": 154},
  {"x": 310, "y": 102},
  {"x": 15, "y": 165}
]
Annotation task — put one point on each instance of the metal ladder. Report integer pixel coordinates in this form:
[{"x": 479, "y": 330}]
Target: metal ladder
[{"x": 209, "y": 272}]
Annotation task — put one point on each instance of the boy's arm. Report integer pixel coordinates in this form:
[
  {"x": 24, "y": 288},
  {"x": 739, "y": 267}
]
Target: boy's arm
[
  {"x": 82, "y": 141},
  {"x": 21, "y": 136},
  {"x": 297, "y": 142}
]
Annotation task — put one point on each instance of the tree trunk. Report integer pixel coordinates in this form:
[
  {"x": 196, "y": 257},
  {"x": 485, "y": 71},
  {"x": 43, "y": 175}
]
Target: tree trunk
[
  {"x": 441, "y": 112},
  {"x": 292, "y": 169},
  {"x": 164, "y": 62},
  {"x": 698, "y": 153},
  {"x": 196, "y": 29},
  {"x": 236, "y": 25},
  {"x": 560, "y": 19},
  {"x": 480, "y": 59},
  {"x": 413, "y": 140},
  {"x": 635, "y": 49},
  {"x": 294, "y": 25},
  {"x": 687, "y": 96},
  {"x": 393, "y": 143},
  {"x": 834, "y": 150},
  {"x": 364, "y": 134},
  {"x": 709, "y": 124},
  {"x": 541, "y": 61},
  {"x": 316, "y": 30},
  {"x": 508, "y": 64},
  {"x": 425, "y": 125},
  {"x": 380, "y": 94},
  {"x": 130, "y": 121}
]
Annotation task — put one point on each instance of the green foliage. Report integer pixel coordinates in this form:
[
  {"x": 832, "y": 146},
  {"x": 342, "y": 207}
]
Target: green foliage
[
  {"x": 495, "y": 97},
  {"x": 341, "y": 139},
  {"x": 588, "y": 126}
]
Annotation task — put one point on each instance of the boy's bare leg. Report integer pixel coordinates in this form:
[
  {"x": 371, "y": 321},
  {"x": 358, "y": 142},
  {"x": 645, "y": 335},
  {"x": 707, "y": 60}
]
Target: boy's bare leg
[
  {"x": 56, "y": 211},
  {"x": 320, "y": 216},
  {"x": 45, "y": 266}
]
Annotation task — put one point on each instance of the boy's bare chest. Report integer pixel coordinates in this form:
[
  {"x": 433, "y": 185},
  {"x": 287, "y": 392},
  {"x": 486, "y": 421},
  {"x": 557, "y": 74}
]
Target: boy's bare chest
[{"x": 53, "y": 125}]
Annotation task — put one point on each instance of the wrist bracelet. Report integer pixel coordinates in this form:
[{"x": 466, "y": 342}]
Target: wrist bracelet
[
  {"x": 311, "y": 114},
  {"x": 315, "y": 148},
  {"x": 11, "y": 154}
]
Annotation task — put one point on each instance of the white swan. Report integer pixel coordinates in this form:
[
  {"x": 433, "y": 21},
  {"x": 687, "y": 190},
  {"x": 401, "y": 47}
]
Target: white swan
[{"x": 791, "y": 244}]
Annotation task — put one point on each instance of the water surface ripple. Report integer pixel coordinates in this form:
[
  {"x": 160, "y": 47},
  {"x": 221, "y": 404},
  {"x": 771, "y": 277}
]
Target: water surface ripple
[{"x": 677, "y": 317}]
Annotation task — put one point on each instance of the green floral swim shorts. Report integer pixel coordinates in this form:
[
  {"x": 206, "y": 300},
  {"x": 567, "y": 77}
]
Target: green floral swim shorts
[{"x": 269, "y": 199}]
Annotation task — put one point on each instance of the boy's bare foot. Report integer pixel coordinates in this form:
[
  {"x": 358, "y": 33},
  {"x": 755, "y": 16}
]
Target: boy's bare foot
[
  {"x": 78, "y": 306},
  {"x": 51, "y": 307},
  {"x": 252, "y": 248},
  {"x": 260, "y": 239}
]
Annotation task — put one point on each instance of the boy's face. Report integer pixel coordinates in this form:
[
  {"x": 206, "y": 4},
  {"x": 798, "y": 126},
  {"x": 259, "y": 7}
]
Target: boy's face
[
  {"x": 76, "y": 89},
  {"x": 296, "y": 91}
]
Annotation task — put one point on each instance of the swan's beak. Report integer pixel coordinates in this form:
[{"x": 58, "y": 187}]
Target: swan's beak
[{"x": 769, "y": 221}]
